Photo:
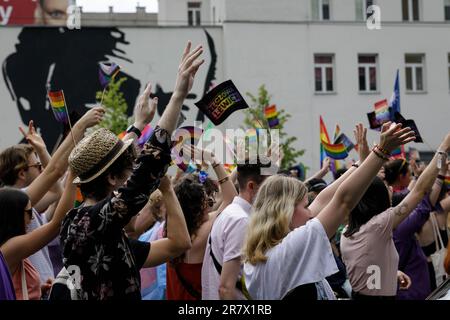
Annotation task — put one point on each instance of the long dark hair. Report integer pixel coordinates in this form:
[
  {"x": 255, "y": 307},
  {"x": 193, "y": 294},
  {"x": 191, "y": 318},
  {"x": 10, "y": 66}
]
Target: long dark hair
[
  {"x": 12, "y": 211},
  {"x": 374, "y": 201}
]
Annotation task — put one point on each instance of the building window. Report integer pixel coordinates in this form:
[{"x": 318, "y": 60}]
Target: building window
[
  {"x": 415, "y": 72},
  {"x": 194, "y": 18},
  {"x": 320, "y": 9},
  {"x": 324, "y": 73},
  {"x": 367, "y": 72},
  {"x": 361, "y": 9},
  {"x": 447, "y": 10},
  {"x": 410, "y": 10}
]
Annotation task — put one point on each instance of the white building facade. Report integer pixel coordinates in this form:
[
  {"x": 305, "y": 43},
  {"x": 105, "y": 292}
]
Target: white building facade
[{"x": 318, "y": 57}]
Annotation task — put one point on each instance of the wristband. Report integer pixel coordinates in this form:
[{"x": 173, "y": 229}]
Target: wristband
[{"x": 379, "y": 154}]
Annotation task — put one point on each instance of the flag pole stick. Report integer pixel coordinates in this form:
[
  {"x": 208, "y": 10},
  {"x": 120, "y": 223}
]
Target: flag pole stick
[{"x": 68, "y": 119}]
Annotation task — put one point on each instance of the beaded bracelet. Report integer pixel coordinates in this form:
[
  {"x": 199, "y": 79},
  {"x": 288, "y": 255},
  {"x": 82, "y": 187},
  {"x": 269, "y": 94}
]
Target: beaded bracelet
[
  {"x": 379, "y": 155},
  {"x": 383, "y": 151}
]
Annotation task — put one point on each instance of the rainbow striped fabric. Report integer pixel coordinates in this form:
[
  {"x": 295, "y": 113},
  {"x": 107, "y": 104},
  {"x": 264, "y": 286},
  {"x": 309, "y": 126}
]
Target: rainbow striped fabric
[
  {"x": 335, "y": 151},
  {"x": 447, "y": 182},
  {"x": 271, "y": 115},
  {"x": 182, "y": 136},
  {"x": 107, "y": 72},
  {"x": 382, "y": 113},
  {"x": 58, "y": 104}
]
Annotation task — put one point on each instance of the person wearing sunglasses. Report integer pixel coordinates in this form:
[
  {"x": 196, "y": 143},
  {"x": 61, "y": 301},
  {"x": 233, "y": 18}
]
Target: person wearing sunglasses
[{"x": 30, "y": 168}]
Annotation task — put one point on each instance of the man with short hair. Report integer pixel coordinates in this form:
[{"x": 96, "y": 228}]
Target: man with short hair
[{"x": 222, "y": 266}]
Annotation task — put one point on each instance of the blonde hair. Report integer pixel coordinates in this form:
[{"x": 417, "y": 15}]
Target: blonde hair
[{"x": 271, "y": 217}]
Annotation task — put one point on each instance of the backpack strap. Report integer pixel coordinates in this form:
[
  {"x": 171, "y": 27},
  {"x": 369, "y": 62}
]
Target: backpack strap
[
  {"x": 189, "y": 288},
  {"x": 24, "y": 282}
]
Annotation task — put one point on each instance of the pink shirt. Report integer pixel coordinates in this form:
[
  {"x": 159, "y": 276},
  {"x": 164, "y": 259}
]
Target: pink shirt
[
  {"x": 32, "y": 278},
  {"x": 371, "y": 257}
]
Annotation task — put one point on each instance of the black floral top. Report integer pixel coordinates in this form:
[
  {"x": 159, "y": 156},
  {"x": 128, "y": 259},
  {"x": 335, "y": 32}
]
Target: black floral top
[{"x": 93, "y": 238}]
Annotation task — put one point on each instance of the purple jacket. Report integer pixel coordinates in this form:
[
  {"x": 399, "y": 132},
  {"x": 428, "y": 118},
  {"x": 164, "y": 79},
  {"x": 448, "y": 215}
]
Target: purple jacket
[
  {"x": 6, "y": 285},
  {"x": 412, "y": 260}
]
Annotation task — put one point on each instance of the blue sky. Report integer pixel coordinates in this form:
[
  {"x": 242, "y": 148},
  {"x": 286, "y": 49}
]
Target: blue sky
[{"x": 119, "y": 5}]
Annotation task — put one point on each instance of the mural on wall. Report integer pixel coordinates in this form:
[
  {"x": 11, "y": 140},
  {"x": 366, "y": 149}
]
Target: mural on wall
[{"x": 57, "y": 58}]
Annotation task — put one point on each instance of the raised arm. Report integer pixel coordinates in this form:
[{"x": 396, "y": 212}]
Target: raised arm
[
  {"x": 353, "y": 188},
  {"x": 322, "y": 172},
  {"x": 144, "y": 112},
  {"x": 18, "y": 248},
  {"x": 185, "y": 80},
  {"x": 38, "y": 144},
  {"x": 178, "y": 240},
  {"x": 226, "y": 185},
  {"x": 423, "y": 184},
  {"x": 59, "y": 162},
  {"x": 327, "y": 194},
  {"x": 438, "y": 184}
]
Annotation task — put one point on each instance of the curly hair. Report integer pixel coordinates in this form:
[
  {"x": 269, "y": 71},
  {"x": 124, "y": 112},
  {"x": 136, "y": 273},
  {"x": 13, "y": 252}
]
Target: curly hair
[{"x": 192, "y": 196}]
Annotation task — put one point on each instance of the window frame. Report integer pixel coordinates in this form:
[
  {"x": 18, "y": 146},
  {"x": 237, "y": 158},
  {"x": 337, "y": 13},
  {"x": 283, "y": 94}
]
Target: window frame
[
  {"x": 194, "y": 12},
  {"x": 367, "y": 66},
  {"x": 323, "y": 67},
  {"x": 414, "y": 66},
  {"x": 411, "y": 11}
]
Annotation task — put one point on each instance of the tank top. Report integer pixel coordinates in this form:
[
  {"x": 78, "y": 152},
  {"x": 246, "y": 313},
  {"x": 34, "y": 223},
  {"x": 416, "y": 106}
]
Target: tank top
[
  {"x": 184, "y": 281},
  {"x": 26, "y": 276}
]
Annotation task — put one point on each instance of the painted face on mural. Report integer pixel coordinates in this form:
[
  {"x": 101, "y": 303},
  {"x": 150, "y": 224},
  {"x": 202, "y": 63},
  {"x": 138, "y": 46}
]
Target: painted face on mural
[{"x": 52, "y": 12}]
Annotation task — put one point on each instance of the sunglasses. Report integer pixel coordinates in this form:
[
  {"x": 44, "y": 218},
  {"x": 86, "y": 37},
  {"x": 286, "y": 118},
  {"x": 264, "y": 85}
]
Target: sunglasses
[{"x": 38, "y": 165}]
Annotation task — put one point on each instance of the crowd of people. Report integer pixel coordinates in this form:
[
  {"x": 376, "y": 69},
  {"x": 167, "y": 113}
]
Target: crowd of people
[{"x": 379, "y": 231}]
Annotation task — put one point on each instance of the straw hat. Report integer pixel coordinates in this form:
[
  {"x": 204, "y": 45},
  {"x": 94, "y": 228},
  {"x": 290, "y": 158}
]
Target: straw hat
[{"x": 95, "y": 153}]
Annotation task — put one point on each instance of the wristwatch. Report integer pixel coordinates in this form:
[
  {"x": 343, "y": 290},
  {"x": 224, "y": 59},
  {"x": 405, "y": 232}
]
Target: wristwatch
[{"x": 135, "y": 130}]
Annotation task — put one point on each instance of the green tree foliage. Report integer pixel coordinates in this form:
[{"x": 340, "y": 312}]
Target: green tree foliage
[
  {"x": 255, "y": 118},
  {"x": 116, "y": 118}
]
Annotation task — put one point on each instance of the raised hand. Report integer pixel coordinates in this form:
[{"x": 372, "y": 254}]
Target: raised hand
[
  {"x": 33, "y": 138},
  {"x": 92, "y": 117},
  {"x": 326, "y": 164},
  {"x": 199, "y": 156},
  {"x": 145, "y": 108},
  {"x": 165, "y": 184},
  {"x": 393, "y": 136},
  {"x": 360, "y": 133},
  {"x": 187, "y": 69}
]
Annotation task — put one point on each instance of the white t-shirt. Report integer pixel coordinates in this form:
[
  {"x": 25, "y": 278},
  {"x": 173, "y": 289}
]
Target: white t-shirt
[
  {"x": 227, "y": 238},
  {"x": 40, "y": 259},
  {"x": 303, "y": 257}
]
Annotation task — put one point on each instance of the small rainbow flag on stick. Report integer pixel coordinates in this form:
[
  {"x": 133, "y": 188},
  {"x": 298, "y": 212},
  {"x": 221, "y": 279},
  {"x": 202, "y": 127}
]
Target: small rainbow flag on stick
[
  {"x": 60, "y": 110},
  {"x": 271, "y": 115},
  {"x": 58, "y": 104},
  {"x": 335, "y": 151},
  {"x": 382, "y": 113}
]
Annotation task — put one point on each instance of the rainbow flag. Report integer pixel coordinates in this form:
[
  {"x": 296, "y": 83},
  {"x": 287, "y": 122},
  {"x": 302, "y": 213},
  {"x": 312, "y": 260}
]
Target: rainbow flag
[
  {"x": 182, "y": 135},
  {"x": 271, "y": 115},
  {"x": 335, "y": 164},
  {"x": 323, "y": 137},
  {"x": 78, "y": 199},
  {"x": 382, "y": 113},
  {"x": 58, "y": 104},
  {"x": 146, "y": 134},
  {"x": 398, "y": 153},
  {"x": 335, "y": 151},
  {"x": 107, "y": 72},
  {"x": 447, "y": 182}
]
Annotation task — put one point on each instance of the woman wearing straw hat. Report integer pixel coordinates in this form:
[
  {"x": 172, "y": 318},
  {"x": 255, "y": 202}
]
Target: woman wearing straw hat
[{"x": 92, "y": 236}]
